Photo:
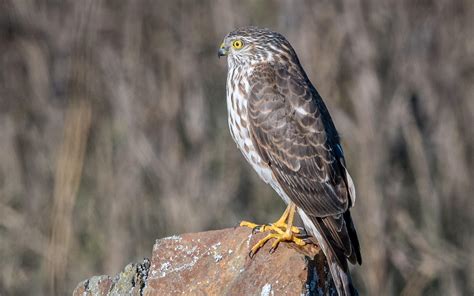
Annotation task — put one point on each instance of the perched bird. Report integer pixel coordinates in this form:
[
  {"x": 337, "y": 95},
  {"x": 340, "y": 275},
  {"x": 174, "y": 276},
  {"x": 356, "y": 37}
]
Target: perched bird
[{"x": 283, "y": 128}]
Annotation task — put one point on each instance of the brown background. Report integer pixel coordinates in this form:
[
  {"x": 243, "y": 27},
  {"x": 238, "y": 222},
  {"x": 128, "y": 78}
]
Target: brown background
[{"x": 113, "y": 132}]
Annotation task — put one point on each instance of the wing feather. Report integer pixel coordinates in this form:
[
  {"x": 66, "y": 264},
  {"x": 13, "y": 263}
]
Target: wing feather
[{"x": 290, "y": 133}]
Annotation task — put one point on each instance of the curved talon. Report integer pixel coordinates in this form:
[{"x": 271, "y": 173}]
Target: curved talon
[
  {"x": 274, "y": 245},
  {"x": 272, "y": 250}
]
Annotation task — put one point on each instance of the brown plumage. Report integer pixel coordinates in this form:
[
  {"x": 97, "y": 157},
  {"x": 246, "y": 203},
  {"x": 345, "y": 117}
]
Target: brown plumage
[{"x": 284, "y": 129}]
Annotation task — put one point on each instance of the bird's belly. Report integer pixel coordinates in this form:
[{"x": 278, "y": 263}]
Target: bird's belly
[{"x": 238, "y": 128}]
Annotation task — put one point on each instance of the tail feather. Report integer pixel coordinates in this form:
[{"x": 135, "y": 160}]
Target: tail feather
[
  {"x": 335, "y": 254},
  {"x": 342, "y": 279},
  {"x": 337, "y": 262}
]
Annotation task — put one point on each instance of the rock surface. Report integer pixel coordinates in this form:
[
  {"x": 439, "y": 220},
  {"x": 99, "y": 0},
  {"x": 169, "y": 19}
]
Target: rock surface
[{"x": 217, "y": 263}]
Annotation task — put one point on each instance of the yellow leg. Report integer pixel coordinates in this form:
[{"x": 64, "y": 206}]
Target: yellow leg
[{"x": 283, "y": 230}]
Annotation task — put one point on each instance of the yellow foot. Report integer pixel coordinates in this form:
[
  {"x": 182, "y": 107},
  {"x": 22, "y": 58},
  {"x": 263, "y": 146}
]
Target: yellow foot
[{"x": 283, "y": 231}]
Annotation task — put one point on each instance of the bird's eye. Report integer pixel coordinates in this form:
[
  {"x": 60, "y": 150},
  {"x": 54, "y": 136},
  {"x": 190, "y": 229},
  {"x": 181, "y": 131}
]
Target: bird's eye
[{"x": 237, "y": 44}]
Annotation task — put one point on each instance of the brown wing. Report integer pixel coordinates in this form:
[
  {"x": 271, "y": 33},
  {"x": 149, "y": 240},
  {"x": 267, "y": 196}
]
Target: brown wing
[{"x": 294, "y": 134}]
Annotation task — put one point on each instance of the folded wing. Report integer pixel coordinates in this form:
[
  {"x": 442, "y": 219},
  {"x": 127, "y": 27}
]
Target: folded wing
[{"x": 294, "y": 134}]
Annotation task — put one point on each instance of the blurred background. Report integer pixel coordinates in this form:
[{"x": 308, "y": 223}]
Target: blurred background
[{"x": 113, "y": 133}]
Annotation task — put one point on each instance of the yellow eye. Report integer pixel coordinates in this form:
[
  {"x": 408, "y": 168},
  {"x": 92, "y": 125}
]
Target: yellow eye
[{"x": 237, "y": 44}]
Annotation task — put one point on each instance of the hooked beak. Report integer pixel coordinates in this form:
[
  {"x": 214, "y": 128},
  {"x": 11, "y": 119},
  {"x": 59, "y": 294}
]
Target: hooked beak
[{"x": 223, "y": 50}]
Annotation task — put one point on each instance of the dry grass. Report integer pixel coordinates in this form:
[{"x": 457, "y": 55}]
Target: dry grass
[{"x": 113, "y": 133}]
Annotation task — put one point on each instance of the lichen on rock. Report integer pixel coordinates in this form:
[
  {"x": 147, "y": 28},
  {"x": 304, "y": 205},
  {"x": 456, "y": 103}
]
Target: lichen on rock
[{"x": 217, "y": 263}]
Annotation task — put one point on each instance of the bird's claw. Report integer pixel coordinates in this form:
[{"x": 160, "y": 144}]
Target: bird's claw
[{"x": 282, "y": 231}]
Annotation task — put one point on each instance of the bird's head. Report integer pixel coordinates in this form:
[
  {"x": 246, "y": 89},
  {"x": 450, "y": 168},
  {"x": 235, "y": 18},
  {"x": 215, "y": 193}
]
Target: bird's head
[{"x": 251, "y": 45}]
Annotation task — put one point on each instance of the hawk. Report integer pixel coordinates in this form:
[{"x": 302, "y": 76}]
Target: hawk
[{"x": 283, "y": 128}]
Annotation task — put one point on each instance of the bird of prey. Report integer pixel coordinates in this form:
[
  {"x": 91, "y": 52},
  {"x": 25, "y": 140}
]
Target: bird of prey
[{"x": 283, "y": 128}]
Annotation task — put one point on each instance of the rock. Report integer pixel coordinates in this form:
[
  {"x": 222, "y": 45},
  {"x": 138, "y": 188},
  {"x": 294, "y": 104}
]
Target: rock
[{"x": 217, "y": 263}]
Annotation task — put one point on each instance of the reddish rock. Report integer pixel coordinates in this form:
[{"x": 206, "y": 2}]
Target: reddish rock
[{"x": 217, "y": 263}]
